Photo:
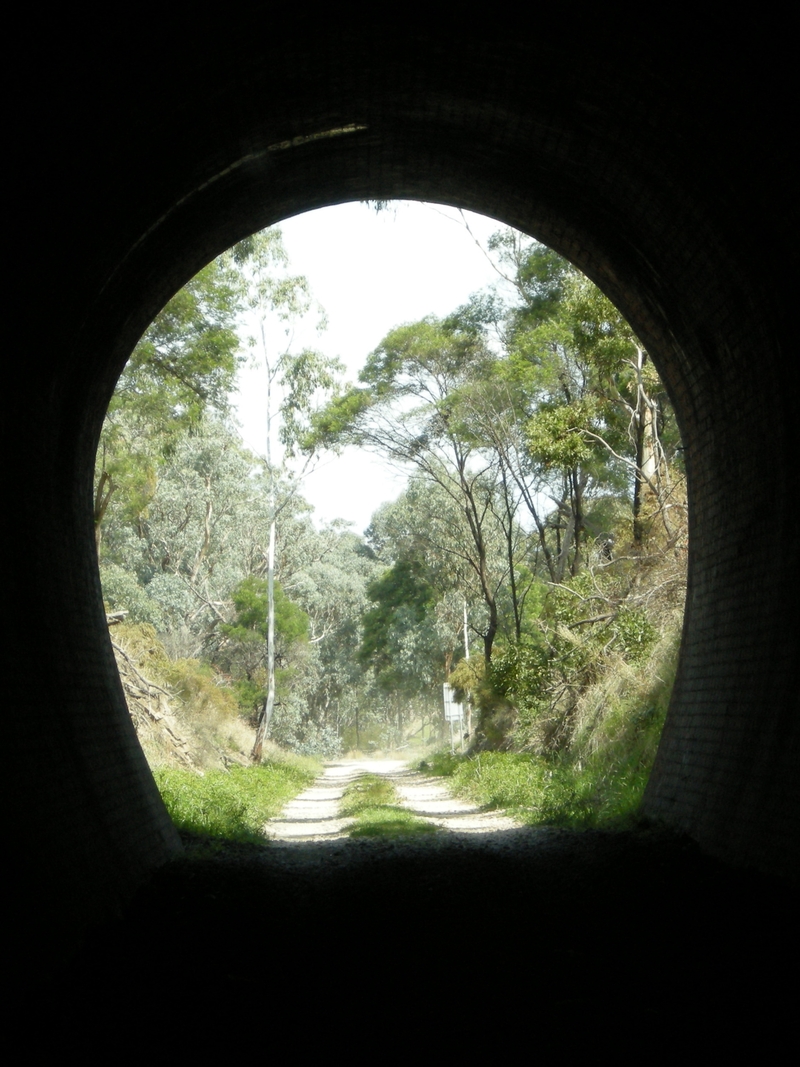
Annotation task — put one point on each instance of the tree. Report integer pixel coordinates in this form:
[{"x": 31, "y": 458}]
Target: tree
[
  {"x": 241, "y": 652},
  {"x": 327, "y": 571},
  {"x": 202, "y": 532},
  {"x": 183, "y": 367},
  {"x": 405, "y": 410},
  {"x": 582, "y": 430},
  {"x": 572, "y": 409},
  {"x": 300, "y": 377},
  {"x": 402, "y": 600},
  {"x": 640, "y": 427}
]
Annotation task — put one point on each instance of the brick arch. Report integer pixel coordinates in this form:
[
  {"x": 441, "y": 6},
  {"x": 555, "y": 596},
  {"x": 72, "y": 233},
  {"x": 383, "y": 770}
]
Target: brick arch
[{"x": 664, "y": 181}]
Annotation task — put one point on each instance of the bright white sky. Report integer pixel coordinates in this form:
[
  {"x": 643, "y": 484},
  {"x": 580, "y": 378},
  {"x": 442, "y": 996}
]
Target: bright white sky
[{"x": 370, "y": 272}]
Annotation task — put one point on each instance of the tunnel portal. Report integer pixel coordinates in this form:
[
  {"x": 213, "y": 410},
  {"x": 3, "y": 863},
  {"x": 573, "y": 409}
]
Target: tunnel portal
[{"x": 656, "y": 167}]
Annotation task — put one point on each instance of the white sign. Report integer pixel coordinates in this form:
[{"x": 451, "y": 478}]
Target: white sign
[{"x": 453, "y": 711}]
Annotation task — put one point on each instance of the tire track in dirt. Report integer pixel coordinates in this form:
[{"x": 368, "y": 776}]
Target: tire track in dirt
[{"x": 314, "y": 815}]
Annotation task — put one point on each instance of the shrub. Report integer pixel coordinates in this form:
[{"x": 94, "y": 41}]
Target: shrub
[{"x": 200, "y": 688}]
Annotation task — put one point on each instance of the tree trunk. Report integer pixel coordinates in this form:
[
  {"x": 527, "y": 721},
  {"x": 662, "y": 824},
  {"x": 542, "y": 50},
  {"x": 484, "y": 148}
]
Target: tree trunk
[
  {"x": 646, "y": 455},
  {"x": 105, "y": 489},
  {"x": 269, "y": 703}
]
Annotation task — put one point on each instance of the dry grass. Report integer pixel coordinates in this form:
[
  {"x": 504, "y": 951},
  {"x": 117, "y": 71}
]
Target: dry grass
[{"x": 183, "y": 713}]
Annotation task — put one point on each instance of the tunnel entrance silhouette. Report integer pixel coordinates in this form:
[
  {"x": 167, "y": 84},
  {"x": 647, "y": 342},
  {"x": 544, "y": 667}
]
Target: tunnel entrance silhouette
[{"x": 638, "y": 168}]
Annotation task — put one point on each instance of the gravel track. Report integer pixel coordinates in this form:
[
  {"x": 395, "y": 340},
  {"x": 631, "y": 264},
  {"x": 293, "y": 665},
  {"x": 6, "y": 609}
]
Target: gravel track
[{"x": 314, "y": 814}]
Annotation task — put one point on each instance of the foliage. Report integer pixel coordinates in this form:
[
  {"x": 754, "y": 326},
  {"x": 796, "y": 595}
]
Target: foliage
[
  {"x": 242, "y": 652},
  {"x": 600, "y": 778},
  {"x": 300, "y": 378},
  {"x": 122, "y": 591},
  {"x": 390, "y": 821},
  {"x": 183, "y": 368},
  {"x": 187, "y": 358},
  {"x": 368, "y": 791},
  {"x": 404, "y": 410},
  {"x": 531, "y": 788},
  {"x": 186, "y": 535},
  {"x": 544, "y": 452},
  {"x": 200, "y": 688},
  {"x": 141, "y": 641},
  {"x": 402, "y": 598},
  {"x": 183, "y": 710},
  {"x": 441, "y": 764},
  {"x": 201, "y": 533},
  {"x": 469, "y": 676}
]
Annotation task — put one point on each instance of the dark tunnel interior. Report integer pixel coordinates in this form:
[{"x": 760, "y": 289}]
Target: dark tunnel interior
[{"x": 659, "y": 166}]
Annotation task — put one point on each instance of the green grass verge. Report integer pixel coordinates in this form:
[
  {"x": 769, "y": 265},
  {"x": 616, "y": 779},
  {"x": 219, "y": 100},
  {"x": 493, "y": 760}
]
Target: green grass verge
[
  {"x": 372, "y": 801},
  {"x": 540, "y": 791},
  {"x": 232, "y": 805},
  {"x": 599, "y": 780}
]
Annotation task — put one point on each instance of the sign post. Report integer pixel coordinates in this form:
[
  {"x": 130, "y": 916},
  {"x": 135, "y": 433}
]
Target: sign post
[{"x": 453, "y": 713}]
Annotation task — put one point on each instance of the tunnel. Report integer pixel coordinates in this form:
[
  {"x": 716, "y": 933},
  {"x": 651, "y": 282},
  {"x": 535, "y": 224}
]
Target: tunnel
[{"x": 658, "y": 164}]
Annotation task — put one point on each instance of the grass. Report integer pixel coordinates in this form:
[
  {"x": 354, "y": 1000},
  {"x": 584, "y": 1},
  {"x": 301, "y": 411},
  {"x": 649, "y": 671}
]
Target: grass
[
  {"x": 545, "y": 791},
  {"x": 534, "y": 790},
  {"x": 232, "y": 805},
  {"x": 372, "y": 802}
]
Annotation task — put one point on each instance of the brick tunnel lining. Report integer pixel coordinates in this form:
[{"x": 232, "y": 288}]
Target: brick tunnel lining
[{"x": 610, "y": 165}]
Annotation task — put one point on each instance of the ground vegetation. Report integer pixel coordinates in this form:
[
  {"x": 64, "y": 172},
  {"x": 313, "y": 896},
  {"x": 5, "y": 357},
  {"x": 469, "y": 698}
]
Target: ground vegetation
[{"x": 371, "y": 801}]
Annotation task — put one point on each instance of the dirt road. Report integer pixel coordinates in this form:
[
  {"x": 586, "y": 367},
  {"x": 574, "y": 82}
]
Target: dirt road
[{"x": 314, "y": 814}]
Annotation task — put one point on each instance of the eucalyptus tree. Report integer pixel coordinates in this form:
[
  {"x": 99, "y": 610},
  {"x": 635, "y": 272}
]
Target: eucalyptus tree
[
  {"x": 183, "y": 368},
  {"x": 432, "y": 571},
  {"x": 581, "y": 426},
  {"x": 327, "y": 572},
  {"x": 320, "y": 687},
  {"x": 637, "y": 424},
  {"x": 293, "y": 382},
  {"x": 240, "y": 650},
  {"x": 403, "y": 409},
  {"x": 191, "y": 519},
  {"x": 572, "y": 408},
  {"x": 202, "y": 532}
]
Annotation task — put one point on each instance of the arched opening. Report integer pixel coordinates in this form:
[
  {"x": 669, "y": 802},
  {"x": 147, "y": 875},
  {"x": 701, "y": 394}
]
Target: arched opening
[
  {"x": 175, "y": 547},
  {"x": 604, "y": 155}
]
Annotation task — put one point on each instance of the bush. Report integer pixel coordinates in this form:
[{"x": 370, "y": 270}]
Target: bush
[
  {"x": 200, "y": 689},
  {"x": 441, "y": 764},
  {"x": 548, "y": 791}
]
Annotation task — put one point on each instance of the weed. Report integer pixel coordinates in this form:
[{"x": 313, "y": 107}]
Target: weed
[
  {"x": 372, "y": 801},
  {"x": 368, "y": 791},
  {"x": 599, "y": 779},
  {"x": 540, "y": 790},
  {"x": 441, "y": 764},
  {"x": 388, "y": 820}
]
